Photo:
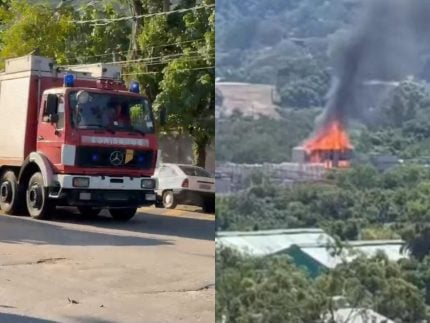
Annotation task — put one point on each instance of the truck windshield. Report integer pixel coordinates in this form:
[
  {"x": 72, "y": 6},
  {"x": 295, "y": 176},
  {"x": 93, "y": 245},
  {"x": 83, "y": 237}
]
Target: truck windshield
[{"x": 111, "y": 111}]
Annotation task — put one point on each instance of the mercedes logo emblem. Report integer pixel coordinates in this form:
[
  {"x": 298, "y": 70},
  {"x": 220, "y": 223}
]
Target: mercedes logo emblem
[{"x": 116, "y": 158}]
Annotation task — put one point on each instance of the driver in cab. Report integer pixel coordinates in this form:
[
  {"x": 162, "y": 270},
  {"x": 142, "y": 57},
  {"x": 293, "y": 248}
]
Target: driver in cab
[{"x": 116, "y": 115}]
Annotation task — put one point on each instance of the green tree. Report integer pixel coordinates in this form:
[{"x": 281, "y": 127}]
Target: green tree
[
  {"x": 263, "y": 290},
  {"x": 418, "y": 273},
  {"x": 29, "y": 27},
  {"x": 152, "y": 40},
  {"x": 405, "y": 102},
  {"x": 92, "y": 43},
  {"x": 139, "y": 8},
  {"x": 187, "y": 89},
  {"x": 246, "y": 140},
  {"x": 302, "y": 83},
  {"x": 418, "y": 242},
  {"x": 51, "y": 32},
  {"x": 376, "y": 283}
]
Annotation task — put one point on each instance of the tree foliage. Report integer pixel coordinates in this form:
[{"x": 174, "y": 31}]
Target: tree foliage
[
  {"x": 273, "y": 289},
  {"x": 251, "y": 34},
  {"x": 29, "y": 28},
  {"x": 263, "y": 290},
  {"x": 358, "y": 203},
  {"x": 248, "y": 140},
  {"x": 375, "y": 283},
  {"x": 50, "y": 32},
  {"x": 302, "y": 83},
  {"x": 352, "y": 204},
  {"x": 348, "y": 204},
  {"x": 187, "y": 89},
  {"x": 405, "y": 103}
]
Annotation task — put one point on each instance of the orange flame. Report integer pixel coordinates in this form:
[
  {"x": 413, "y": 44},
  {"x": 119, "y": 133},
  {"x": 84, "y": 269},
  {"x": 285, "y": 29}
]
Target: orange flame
[{"x": 330, "y": 139}]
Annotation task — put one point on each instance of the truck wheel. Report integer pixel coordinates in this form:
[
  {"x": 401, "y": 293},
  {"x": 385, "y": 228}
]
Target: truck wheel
[
  {"x": 158, "y": 202},
  {"x": 38, "y": 204},
  {"x": 89, "y": 211},
  {"x": 209, "y": 206},
  {"x": 158, "y": 205},
  {"x": 10, "y": 201},
  {"x": 169, "y": 201},
  {"x": 124, "y": 214}
]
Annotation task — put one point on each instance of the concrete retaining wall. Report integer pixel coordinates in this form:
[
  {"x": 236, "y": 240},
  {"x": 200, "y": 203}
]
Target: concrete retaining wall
[
  {"x": 234, "y": 177},
  {"x": 178, "y": 149}
]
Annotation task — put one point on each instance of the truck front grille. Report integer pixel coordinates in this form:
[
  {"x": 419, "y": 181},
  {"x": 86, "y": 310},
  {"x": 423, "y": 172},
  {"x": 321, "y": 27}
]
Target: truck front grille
[{"x": 113, "y": 157}]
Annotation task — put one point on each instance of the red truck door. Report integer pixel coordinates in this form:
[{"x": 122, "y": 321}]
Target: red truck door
[{"x": 50, "y": 132}]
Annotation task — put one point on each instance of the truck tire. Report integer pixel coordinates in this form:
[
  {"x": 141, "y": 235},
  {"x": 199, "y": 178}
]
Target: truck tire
[
  {"x": 158, "y": 205},
  {"x": 89, "y": 211},
  {"x": 124, "y": 214},
  {"x": 38, "y": 204},
  {"x": 158, "y": 202},
  {"x": 209, "y": 206},
  {"x": 10, "y": 197},
  {"x": 169, "y": 201}
]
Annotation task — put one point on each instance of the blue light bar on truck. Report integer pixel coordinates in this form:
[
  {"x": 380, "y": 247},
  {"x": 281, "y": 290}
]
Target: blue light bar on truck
[
  {"x": 69, "y": 80},
  {"x": 134, "y": 87}
]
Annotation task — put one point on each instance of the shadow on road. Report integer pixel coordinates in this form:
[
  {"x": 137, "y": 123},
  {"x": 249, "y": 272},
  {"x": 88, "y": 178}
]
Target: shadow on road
[
  {"x": 202, "y": 229},
  {"x": 193, "y": 228},
  {"x": 90, "y": 320},
  {"x": 15, "y": 318},
  {"x": 23, "y": 229}
]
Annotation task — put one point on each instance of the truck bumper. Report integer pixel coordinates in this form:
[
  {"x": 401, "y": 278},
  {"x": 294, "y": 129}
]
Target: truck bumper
[{"x": 102, "y": 191}]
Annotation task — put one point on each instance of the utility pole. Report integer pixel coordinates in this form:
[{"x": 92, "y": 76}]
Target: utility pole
[{"x": 136, "y": 9}]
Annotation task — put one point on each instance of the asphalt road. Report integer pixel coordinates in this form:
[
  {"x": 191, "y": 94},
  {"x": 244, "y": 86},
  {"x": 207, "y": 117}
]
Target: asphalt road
[{"x": 158, "y": 267}]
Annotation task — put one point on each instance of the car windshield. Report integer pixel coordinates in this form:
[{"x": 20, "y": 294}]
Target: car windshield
[
  {"x": 111, "y": 111},
  {"x": 195, "y": 171}
]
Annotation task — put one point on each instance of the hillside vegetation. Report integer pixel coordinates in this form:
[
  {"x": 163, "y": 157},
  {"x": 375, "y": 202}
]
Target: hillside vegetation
[{"x": 292, "y": 44}]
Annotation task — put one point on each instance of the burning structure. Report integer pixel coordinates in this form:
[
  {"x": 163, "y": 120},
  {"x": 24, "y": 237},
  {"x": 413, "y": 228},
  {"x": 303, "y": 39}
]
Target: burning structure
[
  {"x": 387, "y": 43},
  {"x": 329, "y": 146}
]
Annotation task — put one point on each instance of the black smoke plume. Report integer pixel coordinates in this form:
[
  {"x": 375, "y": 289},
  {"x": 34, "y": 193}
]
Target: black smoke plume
[{"x": 384, "y": 44}]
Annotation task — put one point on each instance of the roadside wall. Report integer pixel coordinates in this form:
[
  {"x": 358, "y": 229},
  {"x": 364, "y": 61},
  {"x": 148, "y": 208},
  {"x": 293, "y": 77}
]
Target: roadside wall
[{"x": 178, "y": 149}]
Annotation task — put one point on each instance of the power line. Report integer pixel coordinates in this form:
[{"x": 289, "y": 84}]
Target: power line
[
  {"x": 143, "y": 47},
  {"x": 154, "y": 60},
  {"x": 163, "y": 13},
  {"x": 139, "y": 60},
  {"x": 183, "y": 69},
  {"x": 162, "y": 60},
  {"x": 185, "y": 59},
  {"x": 164, "y": 63}
]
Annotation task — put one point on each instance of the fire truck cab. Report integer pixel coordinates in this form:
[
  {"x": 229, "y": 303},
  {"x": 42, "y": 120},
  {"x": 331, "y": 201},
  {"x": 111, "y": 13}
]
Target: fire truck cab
[{"x": 73, "y": 136}]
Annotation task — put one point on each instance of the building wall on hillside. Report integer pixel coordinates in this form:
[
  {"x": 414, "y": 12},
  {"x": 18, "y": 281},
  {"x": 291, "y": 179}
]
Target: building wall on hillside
[
  {"x": 236, "y": 177},
  {"x": 179, "y": 149}
]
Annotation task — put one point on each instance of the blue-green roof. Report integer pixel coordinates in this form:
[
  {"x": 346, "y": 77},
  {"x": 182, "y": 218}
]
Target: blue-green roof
[
  {"x": 262, "y": 243},
  {"x": 311, "y": 244}
]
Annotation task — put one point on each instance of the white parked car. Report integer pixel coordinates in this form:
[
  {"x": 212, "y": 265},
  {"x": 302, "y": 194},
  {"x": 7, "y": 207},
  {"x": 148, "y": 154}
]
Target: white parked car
[{"x": 185, "y": 184}]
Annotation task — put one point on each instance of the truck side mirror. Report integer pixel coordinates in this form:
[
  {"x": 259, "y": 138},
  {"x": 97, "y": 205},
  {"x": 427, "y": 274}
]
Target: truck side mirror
[
  {"x": 51, "y": 108},
  {"x": 163, "y": 116}
]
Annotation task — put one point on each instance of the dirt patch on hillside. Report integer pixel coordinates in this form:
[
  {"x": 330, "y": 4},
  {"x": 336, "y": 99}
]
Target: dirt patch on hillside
[{"x": 248, "y": 99}]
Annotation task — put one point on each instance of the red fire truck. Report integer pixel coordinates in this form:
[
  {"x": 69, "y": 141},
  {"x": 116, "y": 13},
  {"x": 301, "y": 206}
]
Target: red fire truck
[{"x": 73, "y": 136}]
